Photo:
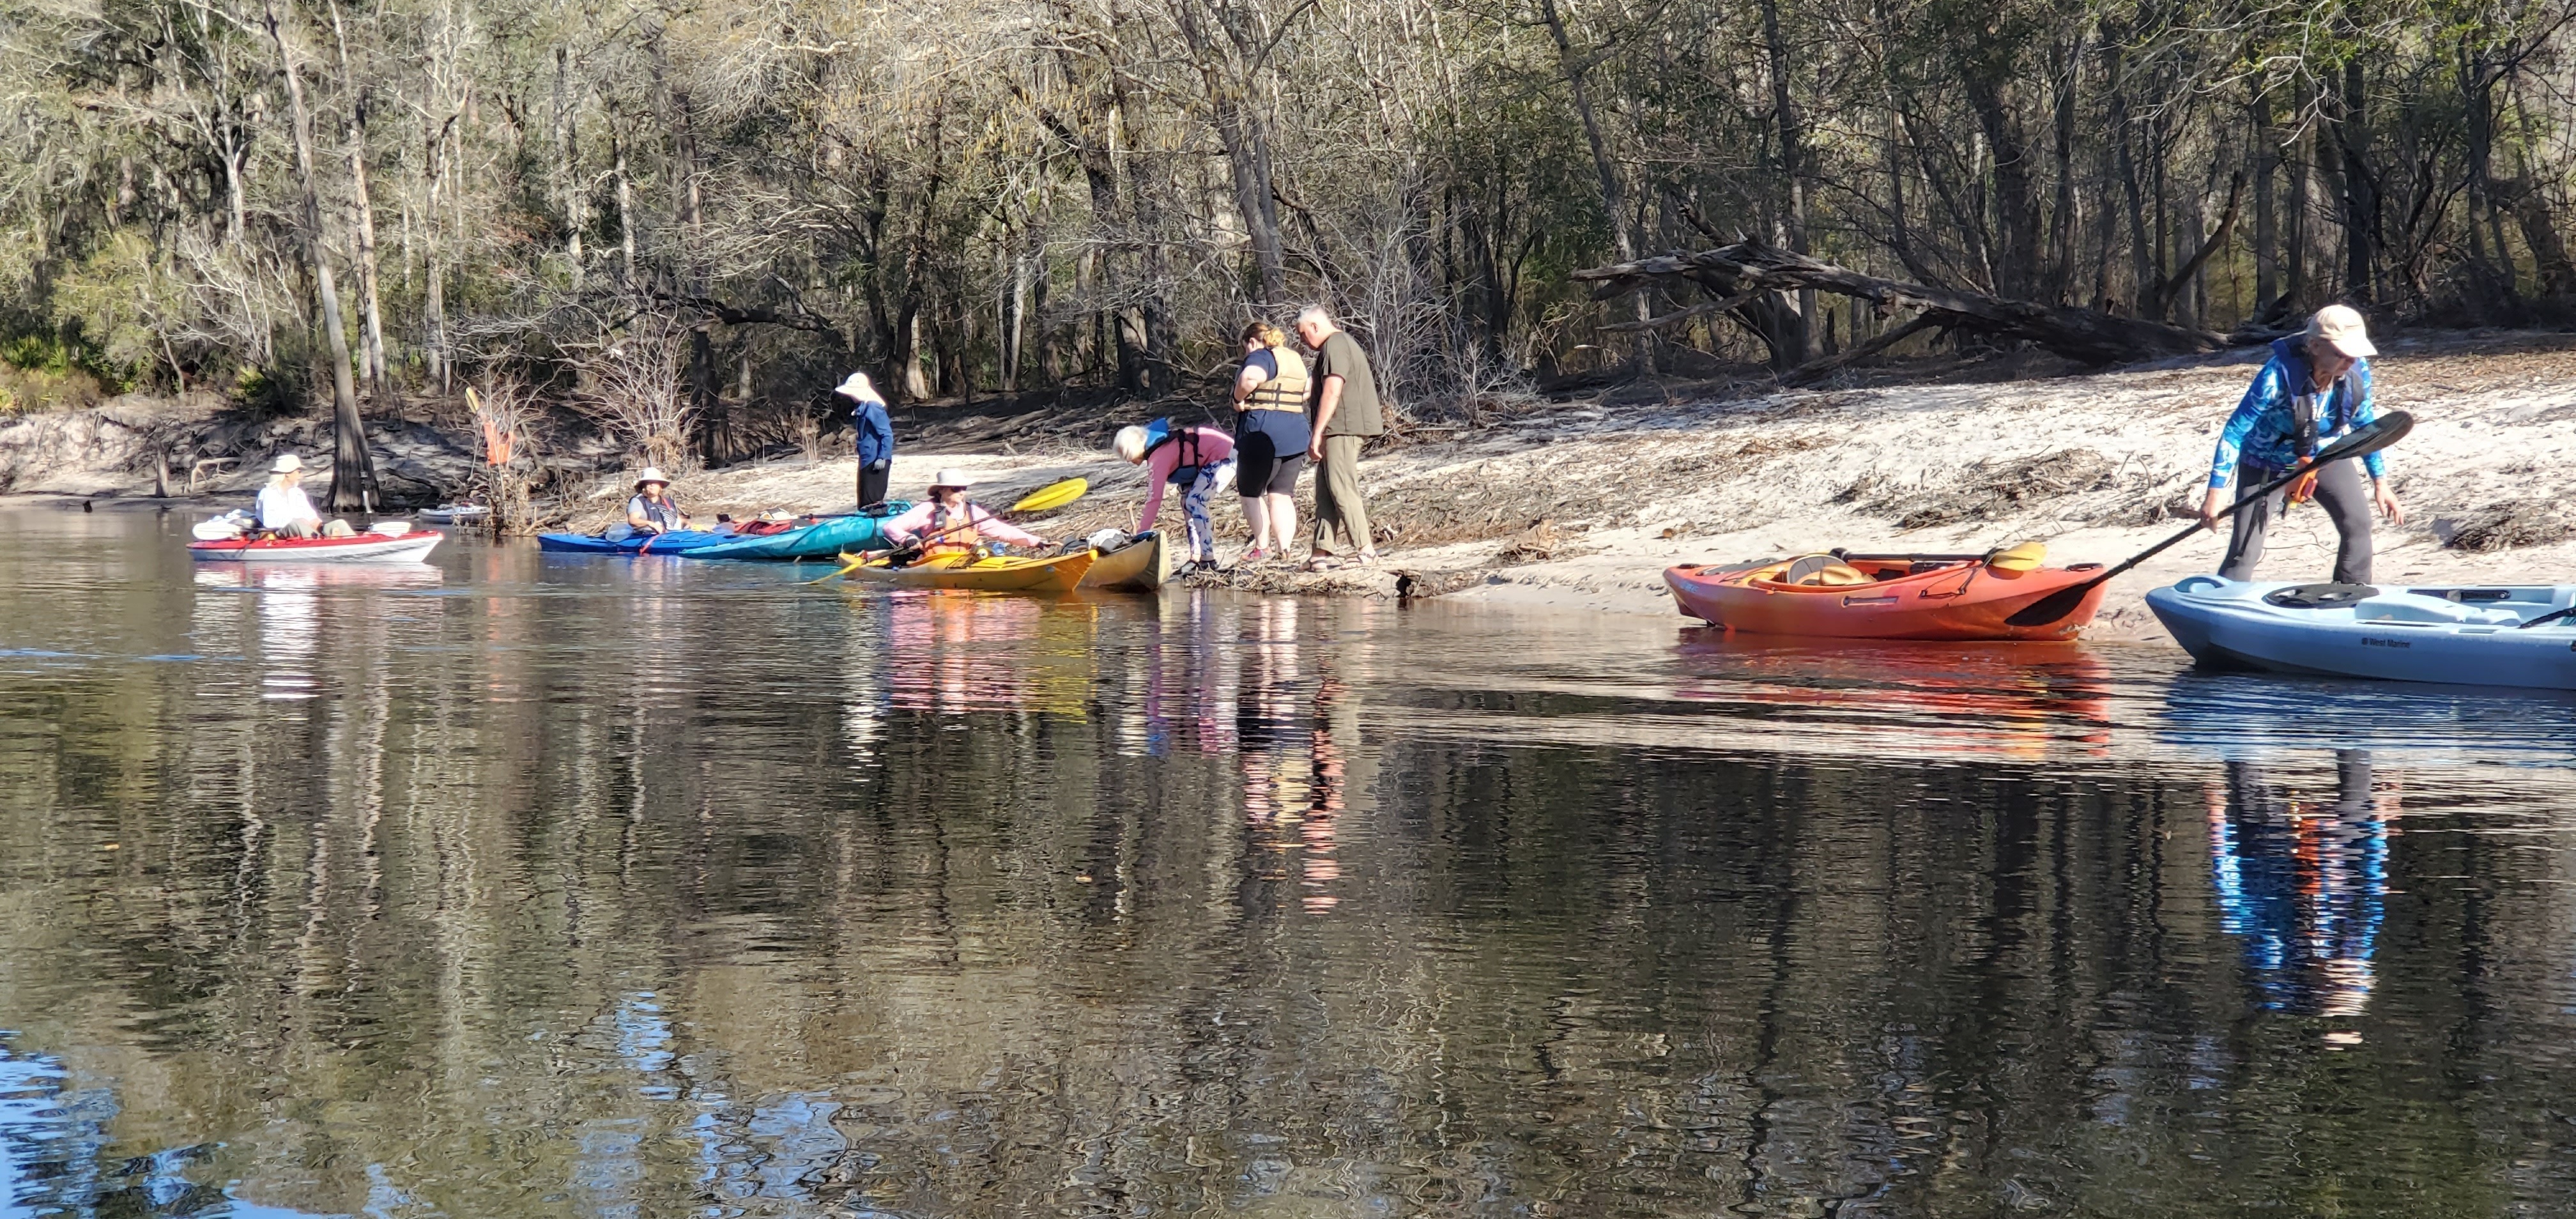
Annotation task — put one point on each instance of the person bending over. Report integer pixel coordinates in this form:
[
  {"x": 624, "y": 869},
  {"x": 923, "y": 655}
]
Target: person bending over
[
  {"x": 1200, "y": 459},
  {"x": 2314, "y": 389}
]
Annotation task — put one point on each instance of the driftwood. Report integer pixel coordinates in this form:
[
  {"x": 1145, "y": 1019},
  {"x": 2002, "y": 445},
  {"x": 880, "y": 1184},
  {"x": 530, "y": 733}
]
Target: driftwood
[{"x": 1735, "y": 275}]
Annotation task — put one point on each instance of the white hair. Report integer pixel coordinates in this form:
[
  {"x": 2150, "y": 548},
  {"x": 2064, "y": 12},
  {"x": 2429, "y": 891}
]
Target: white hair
[
  {"x": 1130, "y": 444},
  {"x": 1314, "y": 313}
]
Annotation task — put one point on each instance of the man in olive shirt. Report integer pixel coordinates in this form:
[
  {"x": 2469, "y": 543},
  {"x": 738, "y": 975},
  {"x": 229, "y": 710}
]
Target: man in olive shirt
[{"x": 1346, "y": 414}]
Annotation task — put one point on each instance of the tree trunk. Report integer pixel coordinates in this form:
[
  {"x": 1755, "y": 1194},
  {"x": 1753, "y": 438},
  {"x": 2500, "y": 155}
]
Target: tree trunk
[
  {"x": 2267, "y": 242},
  {"x": 2360, "y": 197},
  {"x": 1801, "y": 342},
  {"x": 1749, "y": 271},
  {"x": 2062, "y": 218},
  {"x": 2294, "y": 262},
  {"x": 362, "y": 215},
  {"x": 1614, "y": 199},
  {"x": 353, "y": 474}
]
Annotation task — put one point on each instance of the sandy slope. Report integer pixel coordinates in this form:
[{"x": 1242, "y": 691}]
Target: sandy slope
[{"x": 1627, "y": 491}]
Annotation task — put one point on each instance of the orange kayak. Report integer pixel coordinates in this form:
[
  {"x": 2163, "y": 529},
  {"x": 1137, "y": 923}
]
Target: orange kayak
[{"x": 1880, "y": 597}]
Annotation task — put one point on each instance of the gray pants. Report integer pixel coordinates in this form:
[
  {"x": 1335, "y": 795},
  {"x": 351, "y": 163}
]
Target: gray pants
[
  {"x": 1337, "y": 495},
  {"x": 2345, "y": 495}
]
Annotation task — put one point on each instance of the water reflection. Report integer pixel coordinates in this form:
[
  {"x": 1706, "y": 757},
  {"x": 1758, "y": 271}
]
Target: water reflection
[
  {"x": 2304, "y": 881},
  {"x": 570, "y": 893}
]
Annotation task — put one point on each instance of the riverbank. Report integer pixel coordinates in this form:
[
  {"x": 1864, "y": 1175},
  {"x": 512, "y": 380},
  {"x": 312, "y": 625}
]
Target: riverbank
[{"x": 1583, "y": 504}]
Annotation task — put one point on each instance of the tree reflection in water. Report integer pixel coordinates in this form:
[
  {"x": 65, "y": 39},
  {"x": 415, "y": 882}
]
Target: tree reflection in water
[{"x": 586, "y": 892}]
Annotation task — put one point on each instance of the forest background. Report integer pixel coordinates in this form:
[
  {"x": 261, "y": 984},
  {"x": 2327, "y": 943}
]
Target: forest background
[{"x": 691, "y": 220}]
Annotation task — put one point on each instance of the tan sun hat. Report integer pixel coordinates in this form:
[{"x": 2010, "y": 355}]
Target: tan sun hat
[
  {"x": 2344, "y": 328},
  {"x": 652, "y": 474},
  {"x": 951, "y": 477},
  {"x": 286, "y": 463}
]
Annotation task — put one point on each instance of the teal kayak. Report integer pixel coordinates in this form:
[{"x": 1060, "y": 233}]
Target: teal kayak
[{"x": 823, "y": 539}]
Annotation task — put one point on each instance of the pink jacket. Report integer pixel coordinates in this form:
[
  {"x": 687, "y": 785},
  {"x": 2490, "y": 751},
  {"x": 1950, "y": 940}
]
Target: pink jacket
[
  {"x": 918, "y": 521},
  {"x": 1213, "y": 447}
]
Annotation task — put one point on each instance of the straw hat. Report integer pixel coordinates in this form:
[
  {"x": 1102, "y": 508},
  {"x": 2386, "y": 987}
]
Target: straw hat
[
  {"x": 286, "y": 463},
  {"x": 859, "y": 387},
  {"x": 951, "y": 477},
  {"x": 2342, "y": 327},
  {"x": 652, "y": 474}
]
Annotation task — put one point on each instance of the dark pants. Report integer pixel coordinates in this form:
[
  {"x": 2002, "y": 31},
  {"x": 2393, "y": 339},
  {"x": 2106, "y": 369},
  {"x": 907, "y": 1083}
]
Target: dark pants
[
  {"x": 872, "y": 484},
  {"x": 2345, "y": 495}
]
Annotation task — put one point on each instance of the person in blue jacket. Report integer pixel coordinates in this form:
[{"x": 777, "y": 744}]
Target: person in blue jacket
[
  {"x": 2314, "y": 389},
  {"x": 876, "y": 437}
]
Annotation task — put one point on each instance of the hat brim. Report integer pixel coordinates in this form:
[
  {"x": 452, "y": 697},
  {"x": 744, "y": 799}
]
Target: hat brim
[{"x": 2358, "y": 346}]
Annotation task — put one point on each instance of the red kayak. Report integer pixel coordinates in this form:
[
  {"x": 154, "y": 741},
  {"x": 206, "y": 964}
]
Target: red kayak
[
  {"x": 404, "y": 547},
  {"x": 1881, "y": 597}
]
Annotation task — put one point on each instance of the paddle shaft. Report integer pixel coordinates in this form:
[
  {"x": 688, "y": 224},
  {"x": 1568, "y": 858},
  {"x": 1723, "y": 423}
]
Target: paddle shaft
[{"x": 2249, "y": 499}]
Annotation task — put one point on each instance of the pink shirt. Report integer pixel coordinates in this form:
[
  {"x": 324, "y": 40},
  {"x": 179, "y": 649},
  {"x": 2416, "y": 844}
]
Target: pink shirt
[
  {"x": 917, "y": 521},
  {"x": 1214, "y": 446}
]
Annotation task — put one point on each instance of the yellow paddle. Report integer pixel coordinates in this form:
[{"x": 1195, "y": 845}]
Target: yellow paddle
[
  {"x": 2025, "y": 557},
  {"x": 1052, "y": 496}
]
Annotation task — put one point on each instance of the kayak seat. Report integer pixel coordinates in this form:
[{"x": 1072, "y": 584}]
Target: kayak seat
[
  {"x": 2413, "y": 607},
  {"x": 1821, "y": 571},
  {"x": 2319, "y": 596}
]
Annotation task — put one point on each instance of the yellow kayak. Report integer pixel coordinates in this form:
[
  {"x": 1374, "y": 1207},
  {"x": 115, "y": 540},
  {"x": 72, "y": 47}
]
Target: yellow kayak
[
  {"x": 986, "y": 575},
  {"x": 1140, "y": 566}
]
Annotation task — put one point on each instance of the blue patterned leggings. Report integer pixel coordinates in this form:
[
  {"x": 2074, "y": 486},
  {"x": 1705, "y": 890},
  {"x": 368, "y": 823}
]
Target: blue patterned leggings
[{"x": 1194, "y": 507}]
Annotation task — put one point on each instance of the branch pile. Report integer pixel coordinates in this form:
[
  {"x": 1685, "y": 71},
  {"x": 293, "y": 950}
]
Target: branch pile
[{"x": 1736, "y": 277}]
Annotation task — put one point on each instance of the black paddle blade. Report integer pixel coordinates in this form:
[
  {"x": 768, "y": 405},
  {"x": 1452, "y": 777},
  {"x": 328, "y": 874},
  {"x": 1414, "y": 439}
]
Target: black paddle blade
[
  {"x": 2370, "y": 437},
  {"x": 2055, "y": 606}
]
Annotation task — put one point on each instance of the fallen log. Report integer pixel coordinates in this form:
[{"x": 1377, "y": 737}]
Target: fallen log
[{"x": 1733, "y": 275}]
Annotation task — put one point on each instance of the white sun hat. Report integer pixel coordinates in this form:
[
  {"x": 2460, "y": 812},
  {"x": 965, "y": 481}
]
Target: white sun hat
[
  {"x": 2345, "y": 329},
  {"x": 286, "y": 463},
  {"x": 859, "y": 387},
  {"x": 652, "y": 474},
  {"x": 951, "y": 477}
]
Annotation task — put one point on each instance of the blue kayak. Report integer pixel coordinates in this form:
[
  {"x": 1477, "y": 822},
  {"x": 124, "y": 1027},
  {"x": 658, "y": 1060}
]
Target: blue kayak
[
  {"x": 677, "y": 542},
  {"x": 823, "y": 539}
]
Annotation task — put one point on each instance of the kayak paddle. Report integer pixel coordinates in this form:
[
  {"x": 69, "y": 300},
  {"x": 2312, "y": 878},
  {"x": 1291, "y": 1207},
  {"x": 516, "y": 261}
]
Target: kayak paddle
[
  {"x": 1053, "y": 495},
  {"x": 2362, "y": 441}
]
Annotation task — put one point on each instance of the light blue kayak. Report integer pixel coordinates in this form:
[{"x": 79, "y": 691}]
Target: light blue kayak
[
  {"x": 676, "y": 542},
  {"x": 823, "y": 539},
  {"x": 2457, "y": 634}
]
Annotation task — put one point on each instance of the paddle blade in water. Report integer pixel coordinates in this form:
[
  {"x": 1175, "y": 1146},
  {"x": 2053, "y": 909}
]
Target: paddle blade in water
[
  {"x": 1052, "y": 496},
  {"x": 2026, "y": 557}
]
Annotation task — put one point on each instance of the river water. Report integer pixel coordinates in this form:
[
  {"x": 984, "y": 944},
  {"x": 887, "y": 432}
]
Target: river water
[{"x": 519, "y": 885}]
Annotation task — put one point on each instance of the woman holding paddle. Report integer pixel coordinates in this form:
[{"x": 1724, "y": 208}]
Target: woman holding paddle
[
  {"x": 947, "y": 520},
  {"x": 2314, "y": 389}
]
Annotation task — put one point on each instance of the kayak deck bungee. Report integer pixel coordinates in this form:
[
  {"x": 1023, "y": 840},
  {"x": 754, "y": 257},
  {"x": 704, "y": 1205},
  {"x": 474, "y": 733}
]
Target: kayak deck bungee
[
  {"x": 2456, "y": 635},
  {"x": 1939, "y": 597},
  {"x": 676, "y": 542},
  {"x": 370, "y": 547},
  {"x": 967, "y": 573},
  {"x": 822, "y": 539},
  {"x": 1140, "y": 566}
]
